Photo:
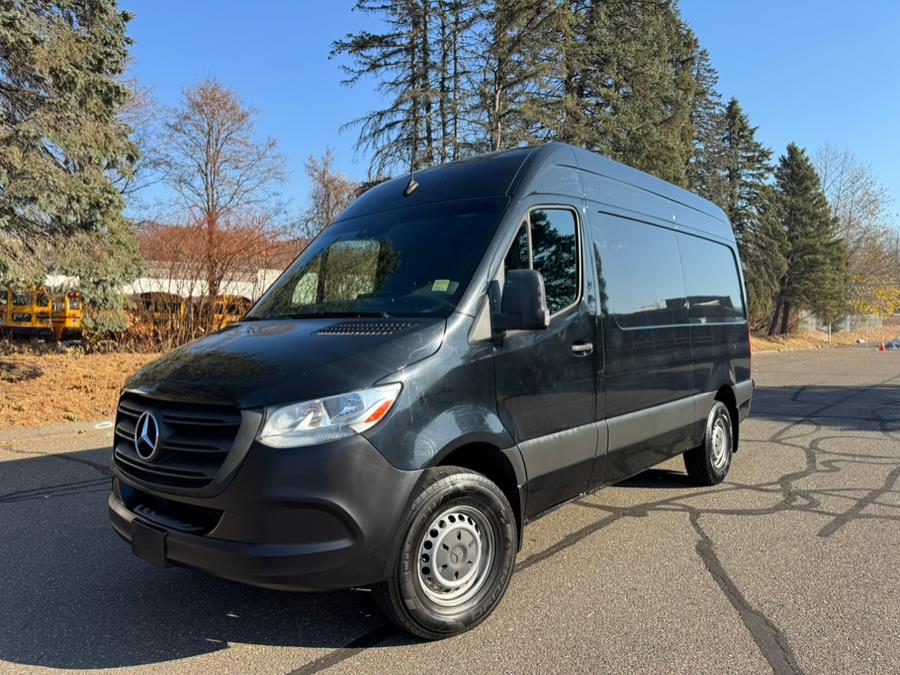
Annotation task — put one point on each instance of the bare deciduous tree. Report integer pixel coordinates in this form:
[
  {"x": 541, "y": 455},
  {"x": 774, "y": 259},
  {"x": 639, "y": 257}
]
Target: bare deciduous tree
[
  {"x": 859, "y": 203},
  {"x": 144, "y": 117},
  {"x": 173, "y": 306},
  {"x": 330, "y": 193},
  {"x": 215, "y": 164}
]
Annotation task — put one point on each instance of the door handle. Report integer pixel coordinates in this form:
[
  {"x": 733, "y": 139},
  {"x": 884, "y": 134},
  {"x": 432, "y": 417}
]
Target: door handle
[{"x": 582, "y": 348}]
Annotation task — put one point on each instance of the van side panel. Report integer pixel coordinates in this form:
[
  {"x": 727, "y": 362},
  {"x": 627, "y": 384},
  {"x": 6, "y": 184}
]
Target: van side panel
[
  {"x": 647, "y": 381},
  {"x": 717, "y": 311}
]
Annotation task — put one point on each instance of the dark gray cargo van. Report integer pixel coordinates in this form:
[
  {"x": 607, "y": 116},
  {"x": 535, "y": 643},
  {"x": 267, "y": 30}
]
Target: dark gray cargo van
[{"x": 450, "y": 359}]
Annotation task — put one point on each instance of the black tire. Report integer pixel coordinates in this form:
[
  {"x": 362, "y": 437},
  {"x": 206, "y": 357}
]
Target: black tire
[
  {"x": 708, "y": 463},
  {"x": 404, "y": 598}
]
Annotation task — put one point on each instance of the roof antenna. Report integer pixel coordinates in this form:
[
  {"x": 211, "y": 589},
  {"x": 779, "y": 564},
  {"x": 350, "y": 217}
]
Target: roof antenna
[{"x": 412, "y": 186}]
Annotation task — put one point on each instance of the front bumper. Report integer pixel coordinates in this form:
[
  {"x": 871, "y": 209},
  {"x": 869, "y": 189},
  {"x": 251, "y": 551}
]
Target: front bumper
[{"x": 314, "y": 518}]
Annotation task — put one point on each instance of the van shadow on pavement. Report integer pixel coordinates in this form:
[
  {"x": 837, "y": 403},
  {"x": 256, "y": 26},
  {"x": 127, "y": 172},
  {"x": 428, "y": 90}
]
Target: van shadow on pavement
[{"x": 73, "y": 596}]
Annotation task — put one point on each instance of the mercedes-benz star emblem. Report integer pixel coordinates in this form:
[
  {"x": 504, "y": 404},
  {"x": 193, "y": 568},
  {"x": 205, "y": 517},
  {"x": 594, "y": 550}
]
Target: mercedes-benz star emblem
[{"x": 146, "y": 436}]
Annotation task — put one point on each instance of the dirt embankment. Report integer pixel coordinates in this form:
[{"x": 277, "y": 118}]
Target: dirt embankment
[
  {"x": 818, "y": 340},
  {"x": 38, "y": 389},
  {"x": 49, "y": 388}
]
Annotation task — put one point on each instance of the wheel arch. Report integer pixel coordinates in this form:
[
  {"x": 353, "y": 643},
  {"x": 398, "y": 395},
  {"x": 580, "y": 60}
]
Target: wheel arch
[
  {"x": 504, "y": 468},
  {"x": 725, "y": 394}
]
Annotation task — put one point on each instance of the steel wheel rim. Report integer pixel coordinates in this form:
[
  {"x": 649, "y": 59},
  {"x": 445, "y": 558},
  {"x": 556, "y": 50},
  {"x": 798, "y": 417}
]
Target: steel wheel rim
[
  {"x": 720, "y": 442},
  {"x": 455, "y": 556}
]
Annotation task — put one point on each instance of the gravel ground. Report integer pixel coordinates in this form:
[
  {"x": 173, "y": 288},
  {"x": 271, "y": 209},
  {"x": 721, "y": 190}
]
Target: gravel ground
[{"x": 791, "y": 565}]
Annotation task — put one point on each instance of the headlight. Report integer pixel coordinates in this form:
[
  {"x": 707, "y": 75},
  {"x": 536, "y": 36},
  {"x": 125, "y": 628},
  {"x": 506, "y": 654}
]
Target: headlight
[{"x": 327, "y": 419}]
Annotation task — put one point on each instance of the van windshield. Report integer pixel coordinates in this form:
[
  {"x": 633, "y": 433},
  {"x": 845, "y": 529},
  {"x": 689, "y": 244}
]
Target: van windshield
[{"x": 404, "y": 262}]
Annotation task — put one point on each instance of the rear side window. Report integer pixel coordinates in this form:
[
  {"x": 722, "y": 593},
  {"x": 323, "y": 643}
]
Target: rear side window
[
  {"x": 640, "y": 273},
  {"x": 552, "y": 251},
  {"x": 711, "y": 279}
]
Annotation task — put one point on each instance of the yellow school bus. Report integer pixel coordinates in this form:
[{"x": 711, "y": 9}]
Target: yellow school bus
[
  {"x": 161, "y": 309},
  {"x": 228, "y": 309},
  {"x": 26, "y": 311},
  {"x": 67, "y": 316}
]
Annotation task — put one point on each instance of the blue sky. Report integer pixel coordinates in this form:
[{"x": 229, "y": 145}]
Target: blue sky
[{"x": 805, "y": 71}]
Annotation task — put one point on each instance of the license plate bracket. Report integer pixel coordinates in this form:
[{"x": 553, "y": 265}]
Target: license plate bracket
[{"x": 148, "y": 544}]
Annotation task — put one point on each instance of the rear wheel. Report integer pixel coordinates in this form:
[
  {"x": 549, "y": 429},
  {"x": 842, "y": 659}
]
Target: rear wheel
[
  {"x": 708, "y": 463},
  {"x": 456, "y": 556}
]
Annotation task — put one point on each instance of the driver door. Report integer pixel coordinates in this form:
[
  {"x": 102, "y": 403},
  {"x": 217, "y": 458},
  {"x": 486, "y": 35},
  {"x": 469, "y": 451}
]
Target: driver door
[{"x": 546, "y": 392}]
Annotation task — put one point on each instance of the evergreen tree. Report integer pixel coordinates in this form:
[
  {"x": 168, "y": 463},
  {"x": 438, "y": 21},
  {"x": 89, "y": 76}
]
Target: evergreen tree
[
  {"x": 816, "y": 272},
  {"x": 394, "y": 133},
  {"x": 421, "y": 64},
  {"x": 60, "y": 143},
  {"x": 763, "y": 255},
  {"x": 467, "y": 76},
  {"x": 622, "y": 83},
  {"x": 653, "y": 56},
  {"x": 752, "y": 207},
  {"x": 747, "y": 170},
  {"x": 707, "y": 170},
  {"x": 517, "y": 59}
]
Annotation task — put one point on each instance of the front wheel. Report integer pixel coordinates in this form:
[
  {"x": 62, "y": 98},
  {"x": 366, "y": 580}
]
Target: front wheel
[
  {"x": 708, "y": 463},
  {"x": 456, "y": 556}
]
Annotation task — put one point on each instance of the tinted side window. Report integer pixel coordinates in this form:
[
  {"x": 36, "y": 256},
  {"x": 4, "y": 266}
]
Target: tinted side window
[
  {"x": 640, "y": 273},
  {"x": 711, "y": 278},
  {"x": 554, "y": 251}
]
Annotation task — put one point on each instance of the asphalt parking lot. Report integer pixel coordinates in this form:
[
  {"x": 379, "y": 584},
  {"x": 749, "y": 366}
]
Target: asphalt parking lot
[{"x": 791, "y": 565}]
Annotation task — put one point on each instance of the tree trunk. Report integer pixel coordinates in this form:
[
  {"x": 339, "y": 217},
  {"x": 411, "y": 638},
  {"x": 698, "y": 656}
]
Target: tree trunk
[
  {"x": 455, "y": 108},
  {"x": 413, "y": 103},
  {"x": 425, "y": 82},
  {"x": 496, "y": 130},
  {"x": 773, "y": 325},
  {"x": 442, "y": 102},
  {"x": 786, "y": 317},
  {"x": 212, "y": 256}
]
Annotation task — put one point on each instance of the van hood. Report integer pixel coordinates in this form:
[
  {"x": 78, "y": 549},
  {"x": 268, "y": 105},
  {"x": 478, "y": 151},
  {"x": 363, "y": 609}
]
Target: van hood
[{"x": 259, "y": 363}]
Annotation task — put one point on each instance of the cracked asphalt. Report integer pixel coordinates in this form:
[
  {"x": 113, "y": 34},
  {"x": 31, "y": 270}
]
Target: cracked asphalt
[{"x": 791, "y": 565}]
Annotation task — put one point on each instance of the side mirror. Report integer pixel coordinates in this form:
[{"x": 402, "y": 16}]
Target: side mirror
[{"x": 523, "y": 305}]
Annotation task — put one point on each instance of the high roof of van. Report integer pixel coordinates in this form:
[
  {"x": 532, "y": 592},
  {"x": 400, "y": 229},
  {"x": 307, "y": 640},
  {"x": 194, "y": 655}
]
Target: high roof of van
[{"x": 552, "y": 168}]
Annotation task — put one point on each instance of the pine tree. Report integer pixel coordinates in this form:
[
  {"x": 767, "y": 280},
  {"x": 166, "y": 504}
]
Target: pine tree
[
  {"x": 747, "y": 170},
  {"x": 622, "y": 83},
  {"x": 394, "y": 133},
  {"x": 422, "y": 66},
  {"x": 515, "y": 38},
  {"x": 60, "y": 143},
  {"x": 816, "y": 272},
  {"x": 763, "y": 253},
  {"x": 752, "y": 207},
  {"x": 655, "y": 57},
  {"x": 706, "y": 172}
]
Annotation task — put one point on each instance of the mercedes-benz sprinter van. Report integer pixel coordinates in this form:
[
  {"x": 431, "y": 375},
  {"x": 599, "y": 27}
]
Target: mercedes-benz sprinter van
[{"x": 455, "y": 355}]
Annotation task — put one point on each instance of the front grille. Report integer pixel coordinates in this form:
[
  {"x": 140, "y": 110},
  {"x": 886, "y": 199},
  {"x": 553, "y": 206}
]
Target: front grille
[
  {"x": 169, "y": 513},
  {"x": 367, "y": 328},
  {"x": 194, "y": 441}
]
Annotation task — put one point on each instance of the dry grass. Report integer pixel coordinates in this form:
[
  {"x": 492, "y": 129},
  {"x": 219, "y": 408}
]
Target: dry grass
[
  {"x": 38, "y": 389},
  {"x": 819, "y": 340},
  {"x": 46, "y": 388}
]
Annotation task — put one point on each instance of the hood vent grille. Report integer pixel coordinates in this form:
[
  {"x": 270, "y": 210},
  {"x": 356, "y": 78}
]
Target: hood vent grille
[{"x": 367, "y": 328}]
